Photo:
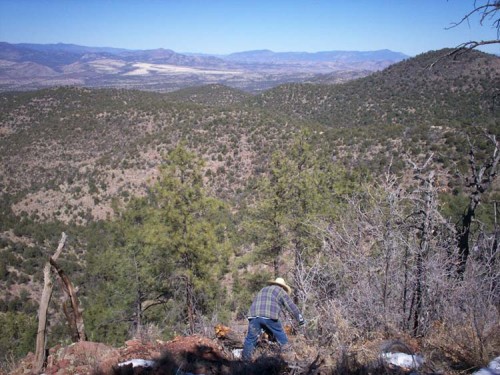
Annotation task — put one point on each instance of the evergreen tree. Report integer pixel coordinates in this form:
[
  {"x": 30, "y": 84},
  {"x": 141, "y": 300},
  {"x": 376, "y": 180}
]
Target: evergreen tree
[
  {"x": 302, "y": 187},
  {"x": 117, "y": 272},
  {"x": 167, "y": 249},
  {"x": 184, "y": 234},
  {"x": 268, "y": 220}
]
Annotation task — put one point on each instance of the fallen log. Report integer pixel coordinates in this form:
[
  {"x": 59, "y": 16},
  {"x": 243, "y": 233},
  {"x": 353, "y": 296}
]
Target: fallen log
[{"x": 228, "y": 337}]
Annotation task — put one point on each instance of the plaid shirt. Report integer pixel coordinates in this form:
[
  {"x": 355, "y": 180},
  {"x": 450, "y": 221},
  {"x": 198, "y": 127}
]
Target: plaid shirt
[{"x": 269, "y": 302}]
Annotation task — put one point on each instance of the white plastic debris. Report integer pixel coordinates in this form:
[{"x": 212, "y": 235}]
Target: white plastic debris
[
  {"x": 403, "y": 360},
  {"x": 492, "y": 369},
  {"x": 138, "y": 363},
  {"x": 237, "y": 353},
  {"x": 145, "y": 363}
]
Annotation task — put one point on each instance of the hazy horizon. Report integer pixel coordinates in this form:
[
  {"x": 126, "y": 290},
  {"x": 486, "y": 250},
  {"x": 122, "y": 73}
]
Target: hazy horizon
[
  {"x": 196, "y": 53},
  {"x": 222, "y": 27}
]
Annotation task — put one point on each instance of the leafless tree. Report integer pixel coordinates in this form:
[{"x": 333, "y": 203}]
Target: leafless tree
[
  {"x": 488, "y": 12},
  {"x": 387, "y": 266},
  {"x": 431, "y": 251},
  {"x": 480, "y": 180},
  {"x": 384, "y": 264},
  {"x": 73, "y": 312}
]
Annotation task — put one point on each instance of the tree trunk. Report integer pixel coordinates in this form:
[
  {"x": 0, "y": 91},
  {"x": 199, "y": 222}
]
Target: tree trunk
[
  {"x": 406, "y": 288},
  {"x": 42, "y": 312},
  {"x": 481, "y": 180},
  {"x": 190, "y": 304},
  {"x": 464, "y": 234},
  {"x": 75, "y": 319},
  {"x": 425, "y": 232}
]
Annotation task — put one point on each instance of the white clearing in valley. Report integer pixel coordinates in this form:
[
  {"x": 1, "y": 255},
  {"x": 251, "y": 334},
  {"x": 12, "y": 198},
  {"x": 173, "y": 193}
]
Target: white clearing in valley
[{"x": 147, "y": 68}]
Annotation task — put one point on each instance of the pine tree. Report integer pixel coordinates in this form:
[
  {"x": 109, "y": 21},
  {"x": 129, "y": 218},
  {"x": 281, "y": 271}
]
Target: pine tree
[
  {"x": 183, "y": 232},
  {"x": 166, "y": 249},
  {"x": 302, "y": 187},
  {"x": 121, "y": 277}
]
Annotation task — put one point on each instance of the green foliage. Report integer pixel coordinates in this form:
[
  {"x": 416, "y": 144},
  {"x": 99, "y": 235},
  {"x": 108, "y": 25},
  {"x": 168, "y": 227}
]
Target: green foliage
[
  {"x": 302, "y": 188},
  {"x": 184, "y": 232},
  {"x": 211, "y": 95},
  {"x": 169, "y": 246},
  {"x": 162, "y": 258},
  {"x": 245, "y": 286},
  {"x": 3, "y": 270},
  {"x": 18, "y": 335},
  {"x": 453, "y": 205},
  {"x": 120, "y": 277}
]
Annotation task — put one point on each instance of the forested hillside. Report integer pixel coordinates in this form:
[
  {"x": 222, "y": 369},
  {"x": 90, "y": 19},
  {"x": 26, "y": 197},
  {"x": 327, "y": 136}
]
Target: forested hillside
[
  {"x": 376, "y": 199},
  {"x": 422, "y": 91}
]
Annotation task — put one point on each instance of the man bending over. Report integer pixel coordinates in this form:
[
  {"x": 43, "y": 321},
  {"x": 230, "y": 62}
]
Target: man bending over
[{"x": 264, "y": 315}]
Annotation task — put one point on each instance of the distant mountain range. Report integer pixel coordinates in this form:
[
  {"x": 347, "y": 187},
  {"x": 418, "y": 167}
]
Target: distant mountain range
[
  {"x": 27, "y": 66},
  {"x": 267, "y": 56}
]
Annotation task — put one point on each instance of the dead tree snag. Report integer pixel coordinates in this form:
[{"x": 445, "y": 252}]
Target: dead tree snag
[
  {"x": 42, "y": 311},
  {"x": 74, "y": 315},
  {"x": 480, "y": 181}
]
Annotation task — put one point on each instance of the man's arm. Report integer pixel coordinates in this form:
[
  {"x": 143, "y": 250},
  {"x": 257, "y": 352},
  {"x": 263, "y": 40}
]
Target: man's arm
[{"x": 292, "y": 308}]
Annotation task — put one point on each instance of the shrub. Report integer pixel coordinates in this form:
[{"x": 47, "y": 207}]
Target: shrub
[{"x": 18, "y": 335}]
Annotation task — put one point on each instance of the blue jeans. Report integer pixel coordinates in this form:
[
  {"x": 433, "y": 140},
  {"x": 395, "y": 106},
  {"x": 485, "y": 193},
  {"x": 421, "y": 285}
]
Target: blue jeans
[{"x": 255, "y": 327}]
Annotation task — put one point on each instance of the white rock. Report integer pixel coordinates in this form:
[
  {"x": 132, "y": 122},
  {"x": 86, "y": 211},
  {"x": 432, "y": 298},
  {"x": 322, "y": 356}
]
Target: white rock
[
  {"x": 492, "y": 369},
  {"x": 138, "y": 363},
  {"x": 403, "y": 360}
]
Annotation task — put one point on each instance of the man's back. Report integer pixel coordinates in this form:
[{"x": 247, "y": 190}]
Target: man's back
[{"x": 269, "y": 302}]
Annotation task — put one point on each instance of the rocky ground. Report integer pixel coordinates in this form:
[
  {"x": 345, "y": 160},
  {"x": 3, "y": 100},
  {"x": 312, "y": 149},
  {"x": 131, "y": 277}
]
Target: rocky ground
[
  {"x": 199, "y": 355},
  {"x": 181, "y": 356},
  {"x": 154, "y": 357}
]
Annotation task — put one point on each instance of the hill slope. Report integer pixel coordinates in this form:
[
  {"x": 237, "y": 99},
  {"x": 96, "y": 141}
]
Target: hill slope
[
  {"x": 409, "y": 93},
  {"x": 70, "y": 151},
  {"x": 211, "y": 95},
  {"x": 76, "y": 155}
]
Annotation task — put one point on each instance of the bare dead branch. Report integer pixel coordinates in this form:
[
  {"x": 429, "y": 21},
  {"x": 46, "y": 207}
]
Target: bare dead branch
[
  {"x": 463, "y": 48},
  {"x": 42, "y": 311},
  {"x": 477, "y": 9},
  {"x": 481, "y": 179},
  {"x": 75, "y": 317},
  {"x": 471, "y": 45}
]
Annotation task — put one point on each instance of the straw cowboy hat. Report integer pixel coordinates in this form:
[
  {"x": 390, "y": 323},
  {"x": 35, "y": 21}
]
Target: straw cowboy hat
[{"x": 279, "y": 281}]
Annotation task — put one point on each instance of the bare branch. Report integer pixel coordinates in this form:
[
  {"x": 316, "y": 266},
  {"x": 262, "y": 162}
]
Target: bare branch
[
  {"x": 485, "y": 9},
  {"x": 472, "y": 44},
  {"x": 463, "y": 48},
  {"x": 487, "y": 12},
  {"x": 75, "y": 318}
]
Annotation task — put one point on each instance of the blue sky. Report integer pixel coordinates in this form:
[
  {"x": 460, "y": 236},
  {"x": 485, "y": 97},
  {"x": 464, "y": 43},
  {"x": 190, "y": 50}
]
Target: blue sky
[{"x": 225, "y": 26}]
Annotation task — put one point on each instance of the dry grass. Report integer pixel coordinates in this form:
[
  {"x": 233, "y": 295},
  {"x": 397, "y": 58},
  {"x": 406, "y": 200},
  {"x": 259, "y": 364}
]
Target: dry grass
[{"x": 459, "y": 347}]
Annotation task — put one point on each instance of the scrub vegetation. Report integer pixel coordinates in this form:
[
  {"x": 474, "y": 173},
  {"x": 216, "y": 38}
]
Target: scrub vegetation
[{"x": 376, "y": 199}]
